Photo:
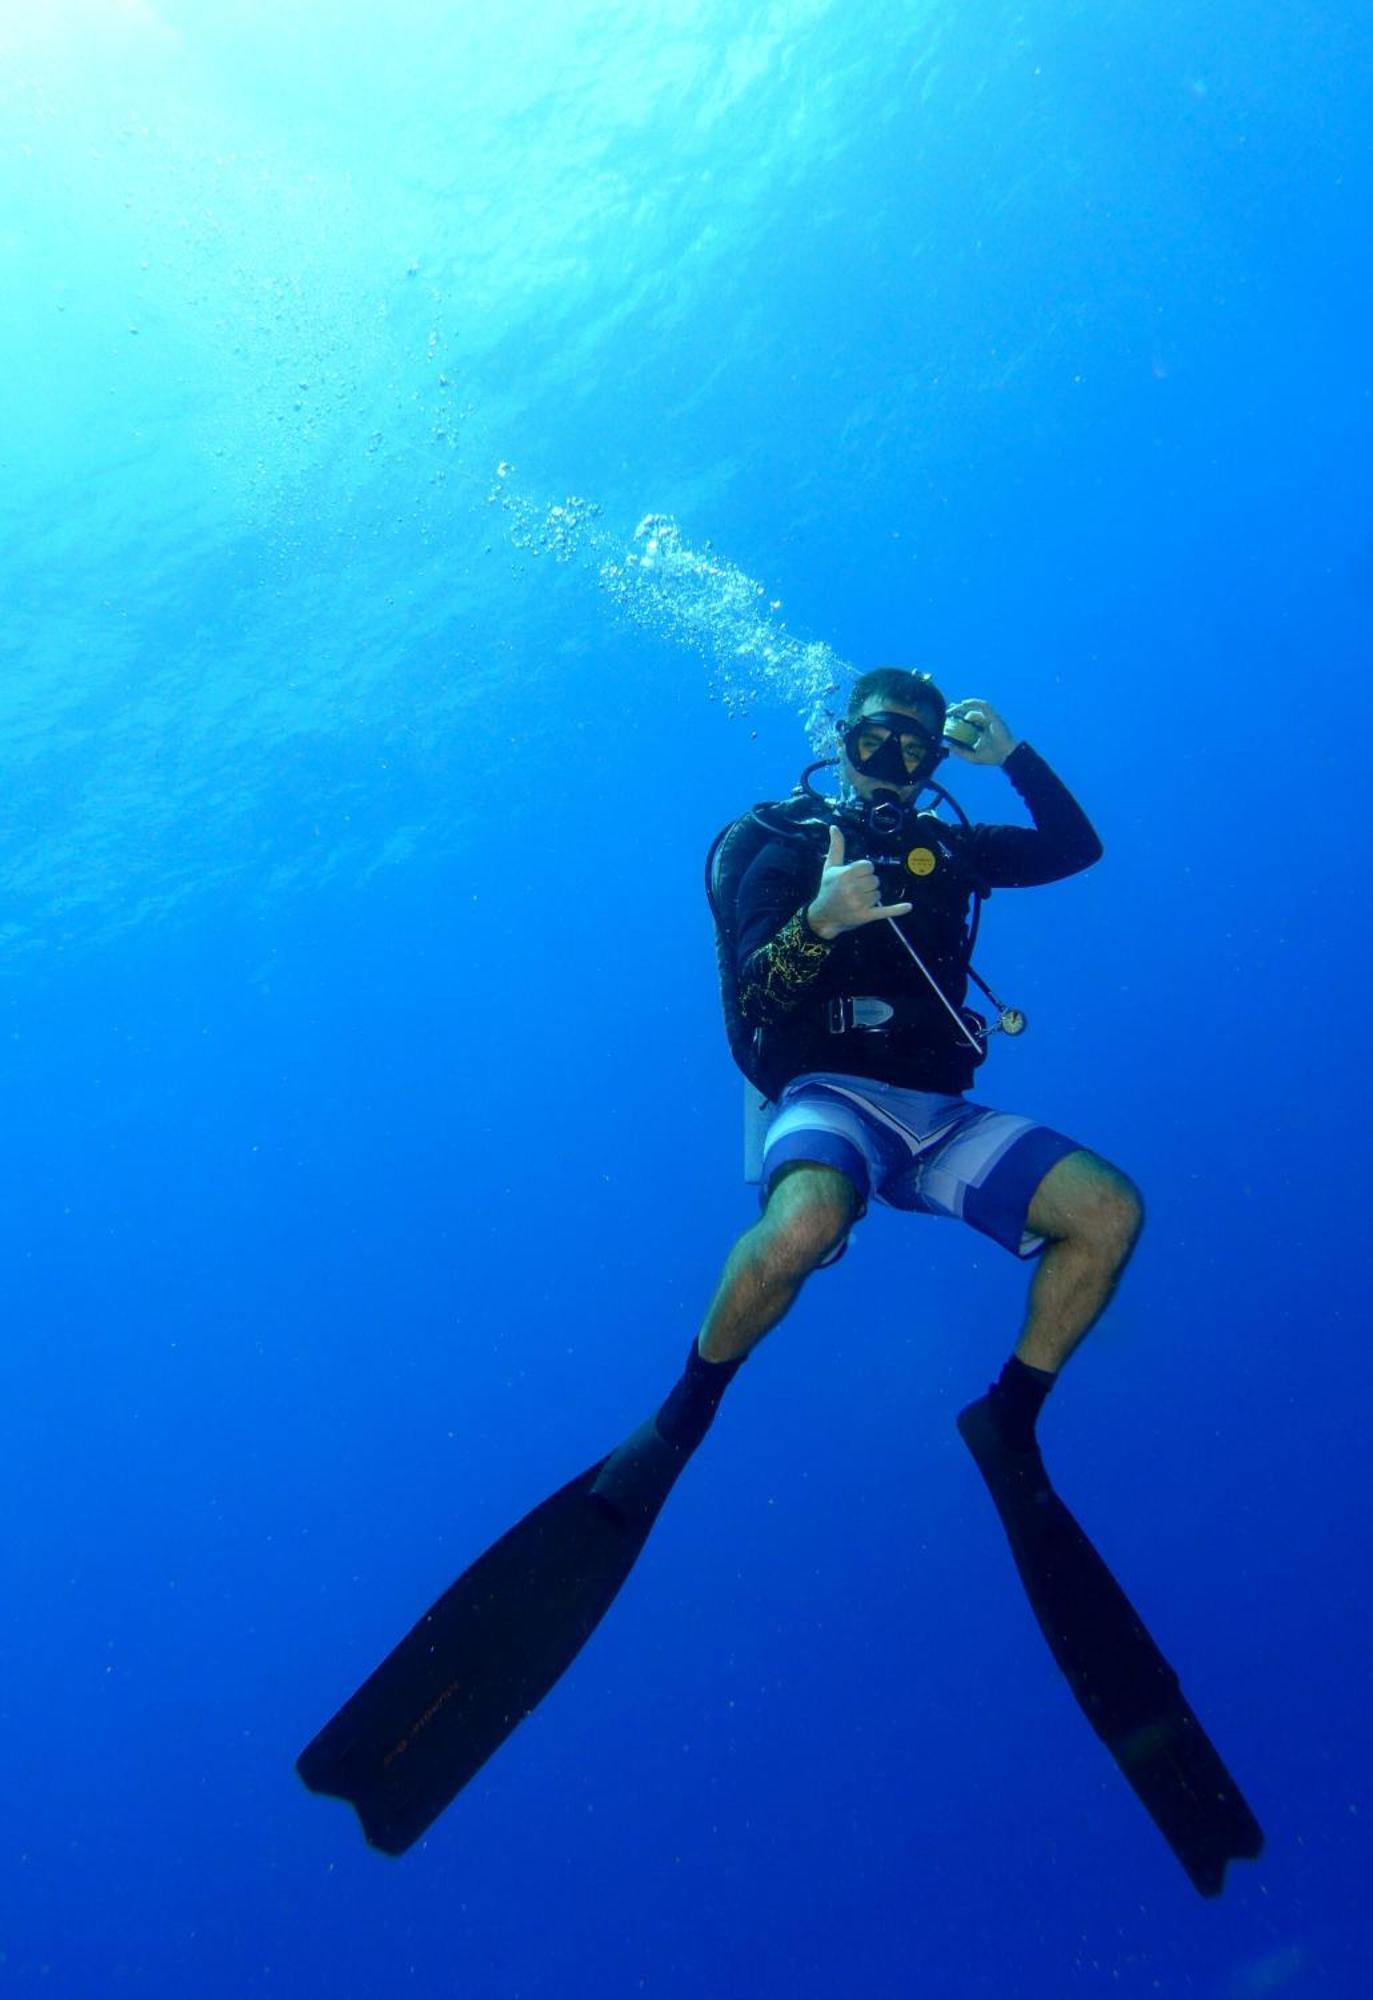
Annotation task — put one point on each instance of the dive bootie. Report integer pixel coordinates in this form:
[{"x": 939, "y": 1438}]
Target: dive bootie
[
  {"x": 485, "y": 1655},
  {"x": 1120, "y": 1679}
]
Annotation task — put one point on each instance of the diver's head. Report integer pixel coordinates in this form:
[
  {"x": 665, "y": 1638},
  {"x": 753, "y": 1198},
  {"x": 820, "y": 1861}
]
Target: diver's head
[{"x": 890, "y": 736}]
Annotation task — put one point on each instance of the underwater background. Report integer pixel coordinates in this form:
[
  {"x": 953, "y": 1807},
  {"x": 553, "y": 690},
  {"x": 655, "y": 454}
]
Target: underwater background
[{"x": 449, "y": 457}]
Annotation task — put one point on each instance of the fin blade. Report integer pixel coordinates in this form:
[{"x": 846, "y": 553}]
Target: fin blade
[
  {"x": 1121, "y": 1681},
  {"x": 480, "y": 1659}
]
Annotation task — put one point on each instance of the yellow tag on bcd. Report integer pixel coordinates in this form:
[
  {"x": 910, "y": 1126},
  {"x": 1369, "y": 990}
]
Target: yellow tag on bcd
[{"x": 920, "y": 861}]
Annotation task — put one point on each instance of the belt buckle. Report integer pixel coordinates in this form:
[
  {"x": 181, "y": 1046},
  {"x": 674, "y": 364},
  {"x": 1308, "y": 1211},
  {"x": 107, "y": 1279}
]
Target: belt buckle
[{"x": 839, "y": 1014}]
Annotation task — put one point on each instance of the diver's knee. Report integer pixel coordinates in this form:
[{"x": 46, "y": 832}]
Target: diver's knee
[
  {"x": 804, "y": 1240},
  {"x": 806, "y": 1218},
  {"x": 809, "y": 1241},
  {"x": 1113, "y": 1215}
]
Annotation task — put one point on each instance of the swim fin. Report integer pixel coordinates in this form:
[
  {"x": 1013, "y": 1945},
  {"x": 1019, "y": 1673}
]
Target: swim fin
[
  {"x": 1122, "y": 1683},
  {"x": 485, "y": 1655}
]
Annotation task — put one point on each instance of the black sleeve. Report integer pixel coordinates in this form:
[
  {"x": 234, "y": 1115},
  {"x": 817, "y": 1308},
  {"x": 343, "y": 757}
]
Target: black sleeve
[
  {"x": 777, "y": 954},
  {"x": 1061, "y": 842}
]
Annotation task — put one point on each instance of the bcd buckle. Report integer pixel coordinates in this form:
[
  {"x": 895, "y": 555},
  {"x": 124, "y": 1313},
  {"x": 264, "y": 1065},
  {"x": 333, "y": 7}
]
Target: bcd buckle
[{"x": 857, "y": 1010}]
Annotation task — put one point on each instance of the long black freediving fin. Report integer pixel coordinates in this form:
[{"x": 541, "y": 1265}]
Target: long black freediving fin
[
  {"x": 1122, "y": 1683},
  {"x": 485, "y": 1655}
]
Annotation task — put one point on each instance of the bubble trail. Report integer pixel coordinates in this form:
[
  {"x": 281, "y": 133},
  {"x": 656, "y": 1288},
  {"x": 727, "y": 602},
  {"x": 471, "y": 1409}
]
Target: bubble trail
[{"x": 688, "y": 597}]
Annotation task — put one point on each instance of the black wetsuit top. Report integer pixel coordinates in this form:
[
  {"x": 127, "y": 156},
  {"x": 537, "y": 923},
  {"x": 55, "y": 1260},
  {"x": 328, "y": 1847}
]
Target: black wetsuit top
[{"x": 792, "y": 983}]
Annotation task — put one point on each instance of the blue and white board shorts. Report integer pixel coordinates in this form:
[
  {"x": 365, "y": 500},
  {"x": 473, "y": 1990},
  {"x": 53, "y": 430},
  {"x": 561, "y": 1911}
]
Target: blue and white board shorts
[{"x": 914, "y": 1149}]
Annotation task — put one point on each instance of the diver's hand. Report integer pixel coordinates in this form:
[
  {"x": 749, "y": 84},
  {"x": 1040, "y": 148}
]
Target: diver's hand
[
  {"x": 849, "y": 895},
  {"x": 995, "y": 741}
]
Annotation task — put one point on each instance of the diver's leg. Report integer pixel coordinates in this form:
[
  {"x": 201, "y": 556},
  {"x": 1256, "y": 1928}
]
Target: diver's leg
[
  {"x": 1091, "y": 1216},
  {"x": 810, "y": 1210}
]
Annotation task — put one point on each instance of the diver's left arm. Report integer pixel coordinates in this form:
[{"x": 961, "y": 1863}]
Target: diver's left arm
[{"x": 1062, "y": 840}]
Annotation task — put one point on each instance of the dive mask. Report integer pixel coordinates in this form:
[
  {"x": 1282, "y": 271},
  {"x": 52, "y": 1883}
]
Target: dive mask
[{"x": 894, "y": 749}]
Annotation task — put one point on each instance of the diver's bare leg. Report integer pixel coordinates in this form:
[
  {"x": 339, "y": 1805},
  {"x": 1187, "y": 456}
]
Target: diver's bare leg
[
  {"x": 1091, "y": 1215},
  {"x": 810, "y": 1210}
]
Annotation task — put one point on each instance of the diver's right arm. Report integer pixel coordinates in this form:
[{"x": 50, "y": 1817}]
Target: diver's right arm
[{"x": 779, "y": 962}]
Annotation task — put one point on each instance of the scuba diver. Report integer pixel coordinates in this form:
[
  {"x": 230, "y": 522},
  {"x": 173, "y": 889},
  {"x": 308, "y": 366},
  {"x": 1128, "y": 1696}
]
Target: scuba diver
[
  {"x": 845, "y": 927},
  {"x": 852, "y": 972}
]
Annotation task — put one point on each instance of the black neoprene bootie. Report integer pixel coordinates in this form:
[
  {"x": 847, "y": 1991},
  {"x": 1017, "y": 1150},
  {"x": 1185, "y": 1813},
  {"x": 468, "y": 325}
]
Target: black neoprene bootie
[
  {"x": 638, "y": 1475},
  {"x": 1016, "y": 1399}
]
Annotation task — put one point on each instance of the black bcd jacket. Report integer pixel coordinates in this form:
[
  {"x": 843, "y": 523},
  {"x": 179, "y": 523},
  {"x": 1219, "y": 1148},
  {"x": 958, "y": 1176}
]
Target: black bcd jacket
[{"x": 797, "y": 988}]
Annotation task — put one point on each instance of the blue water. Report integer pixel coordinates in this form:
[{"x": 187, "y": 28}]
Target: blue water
[{"x": 371, "y": 1142}]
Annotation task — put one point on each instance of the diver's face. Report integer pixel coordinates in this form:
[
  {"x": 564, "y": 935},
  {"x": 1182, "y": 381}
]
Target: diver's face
[{"x": 917, "y": 749}]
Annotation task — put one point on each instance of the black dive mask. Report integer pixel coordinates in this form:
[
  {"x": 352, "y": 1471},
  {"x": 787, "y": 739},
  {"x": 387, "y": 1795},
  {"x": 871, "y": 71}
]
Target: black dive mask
[{"x": 895, "y": 749}]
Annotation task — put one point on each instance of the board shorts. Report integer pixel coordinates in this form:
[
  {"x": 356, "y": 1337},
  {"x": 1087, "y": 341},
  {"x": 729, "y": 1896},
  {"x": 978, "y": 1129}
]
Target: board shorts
[{"x": 917, "y": 1150}]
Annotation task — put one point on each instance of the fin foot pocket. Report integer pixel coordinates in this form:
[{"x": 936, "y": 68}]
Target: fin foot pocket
[{"x": 639, "y": 1474}]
